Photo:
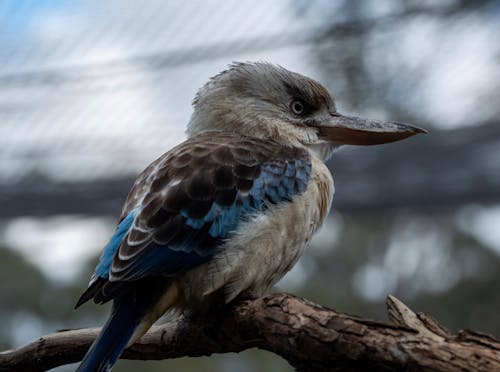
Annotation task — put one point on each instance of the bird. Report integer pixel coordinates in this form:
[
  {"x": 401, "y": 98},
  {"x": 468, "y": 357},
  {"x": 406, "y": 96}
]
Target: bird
[{"x": 230, "y": 210}]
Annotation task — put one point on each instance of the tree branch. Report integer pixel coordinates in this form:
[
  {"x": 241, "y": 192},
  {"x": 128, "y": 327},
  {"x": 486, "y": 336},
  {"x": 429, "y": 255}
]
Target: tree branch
[{"x": 308, "y": 336}]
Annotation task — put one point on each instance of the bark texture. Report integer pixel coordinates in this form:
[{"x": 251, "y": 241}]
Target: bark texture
[{"x": 310, "y": 337}]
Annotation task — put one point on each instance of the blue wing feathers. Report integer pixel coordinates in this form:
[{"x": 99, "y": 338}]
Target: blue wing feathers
[
  {"x": 102, "y": 269},
  {"x": 276, "y": 182},
  {"x": 163, "y": 260},
  {"x": 221, "y": 221}
]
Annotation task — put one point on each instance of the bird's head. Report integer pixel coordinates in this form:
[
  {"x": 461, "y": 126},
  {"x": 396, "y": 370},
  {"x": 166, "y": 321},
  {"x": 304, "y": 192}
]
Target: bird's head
[{"x": 268, "y": 101}]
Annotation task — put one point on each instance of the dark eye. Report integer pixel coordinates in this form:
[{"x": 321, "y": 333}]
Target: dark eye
[{"x": 298, "y": 107}]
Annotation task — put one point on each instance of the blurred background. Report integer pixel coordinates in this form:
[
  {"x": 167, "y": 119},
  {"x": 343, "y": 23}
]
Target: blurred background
[{"x": 92, "y": 91}]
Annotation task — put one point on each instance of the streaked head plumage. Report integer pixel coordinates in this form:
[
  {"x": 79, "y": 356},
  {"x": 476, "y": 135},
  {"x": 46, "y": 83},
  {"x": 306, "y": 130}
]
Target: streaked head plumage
[
  {"x": 267, "y": 101},
  {"x": 262, "y": 100}
]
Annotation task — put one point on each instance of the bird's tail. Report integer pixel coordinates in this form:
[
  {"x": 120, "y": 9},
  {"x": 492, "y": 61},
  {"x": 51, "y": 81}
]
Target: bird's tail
[
  {"x": 131, "y": 317},
  {"x": 112, "y": 340}
]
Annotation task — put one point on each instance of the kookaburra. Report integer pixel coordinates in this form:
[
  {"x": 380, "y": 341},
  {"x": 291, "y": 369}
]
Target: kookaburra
[{"x": 230, "y": 210}]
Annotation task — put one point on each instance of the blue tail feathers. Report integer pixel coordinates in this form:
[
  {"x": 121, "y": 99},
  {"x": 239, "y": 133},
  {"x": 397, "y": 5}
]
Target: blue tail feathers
[{"x": 113, "y": 339}]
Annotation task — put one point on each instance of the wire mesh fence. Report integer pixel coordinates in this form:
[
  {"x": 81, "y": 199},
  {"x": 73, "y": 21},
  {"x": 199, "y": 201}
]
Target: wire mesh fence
[{"x": 91, "y": 92}]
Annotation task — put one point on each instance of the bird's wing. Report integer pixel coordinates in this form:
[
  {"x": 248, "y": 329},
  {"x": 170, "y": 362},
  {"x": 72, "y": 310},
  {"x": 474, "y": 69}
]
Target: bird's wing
[{"x": 190, "y": 200}]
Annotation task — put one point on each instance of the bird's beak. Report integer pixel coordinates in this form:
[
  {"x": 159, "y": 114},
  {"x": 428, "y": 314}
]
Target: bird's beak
[{"x": 350, "y": 130}]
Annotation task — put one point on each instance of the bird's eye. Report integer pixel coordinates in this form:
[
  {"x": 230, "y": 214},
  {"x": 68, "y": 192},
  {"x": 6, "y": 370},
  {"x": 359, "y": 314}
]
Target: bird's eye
[{"x": 298, "y": 107}]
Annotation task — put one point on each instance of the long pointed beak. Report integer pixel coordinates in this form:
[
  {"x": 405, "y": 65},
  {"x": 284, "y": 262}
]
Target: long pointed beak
[{"x": 350, "y": 130}]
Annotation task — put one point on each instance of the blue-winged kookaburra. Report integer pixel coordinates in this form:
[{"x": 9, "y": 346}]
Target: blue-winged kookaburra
[{"x": 230, "y": 210}]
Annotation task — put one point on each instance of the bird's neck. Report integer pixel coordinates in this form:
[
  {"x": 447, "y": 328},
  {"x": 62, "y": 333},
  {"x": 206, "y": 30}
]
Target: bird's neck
[{"x": 323, "y": 151}]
